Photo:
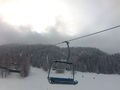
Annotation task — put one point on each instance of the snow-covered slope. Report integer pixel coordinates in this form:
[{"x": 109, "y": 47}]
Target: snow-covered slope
[{"x": 38, "y": 81}]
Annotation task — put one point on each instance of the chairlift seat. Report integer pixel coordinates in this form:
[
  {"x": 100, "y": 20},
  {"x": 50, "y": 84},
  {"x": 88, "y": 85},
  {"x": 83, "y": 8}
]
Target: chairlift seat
[
  {"x": 13, "y": 70},
  {"x": 55, "y": 80}
]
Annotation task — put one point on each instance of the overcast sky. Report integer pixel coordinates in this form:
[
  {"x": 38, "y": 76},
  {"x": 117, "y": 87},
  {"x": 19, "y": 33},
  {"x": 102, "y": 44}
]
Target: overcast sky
[{"x": 52, "y": 21}]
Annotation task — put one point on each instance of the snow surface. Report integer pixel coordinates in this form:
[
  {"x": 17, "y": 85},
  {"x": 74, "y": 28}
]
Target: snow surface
[{"x": 38, "y": 81}]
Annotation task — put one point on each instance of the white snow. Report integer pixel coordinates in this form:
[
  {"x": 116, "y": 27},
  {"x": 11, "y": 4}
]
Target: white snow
[{"x": 38, "y": 81}]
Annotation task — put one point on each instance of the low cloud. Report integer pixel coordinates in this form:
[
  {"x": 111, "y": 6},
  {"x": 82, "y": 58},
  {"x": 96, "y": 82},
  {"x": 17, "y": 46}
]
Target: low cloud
[
  {"x": 24, "y": 34},
  {"x": 108, "y": 42}
]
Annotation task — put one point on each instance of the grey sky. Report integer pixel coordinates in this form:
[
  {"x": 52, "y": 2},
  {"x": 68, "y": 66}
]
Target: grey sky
[{"x": 89, "y": 16}]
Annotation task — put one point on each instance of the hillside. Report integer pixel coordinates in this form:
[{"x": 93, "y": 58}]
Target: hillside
[{"x": 85, "y": 59}]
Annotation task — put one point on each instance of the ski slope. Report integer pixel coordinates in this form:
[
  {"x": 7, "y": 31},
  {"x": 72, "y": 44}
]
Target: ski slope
[{"x": 38, "y": 81}]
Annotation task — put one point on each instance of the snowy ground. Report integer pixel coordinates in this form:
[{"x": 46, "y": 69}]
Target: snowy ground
[{"x": 38, "y": 81}]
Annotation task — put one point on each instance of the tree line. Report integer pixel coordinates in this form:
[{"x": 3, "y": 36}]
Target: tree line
[{"x": 85, "y": 59}]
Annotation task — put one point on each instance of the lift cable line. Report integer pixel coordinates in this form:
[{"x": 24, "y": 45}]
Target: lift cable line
[{"x": 108, "y": 29}]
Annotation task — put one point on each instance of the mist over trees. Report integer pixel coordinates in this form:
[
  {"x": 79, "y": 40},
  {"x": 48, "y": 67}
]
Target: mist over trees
[{"x": 85, "y": 59}]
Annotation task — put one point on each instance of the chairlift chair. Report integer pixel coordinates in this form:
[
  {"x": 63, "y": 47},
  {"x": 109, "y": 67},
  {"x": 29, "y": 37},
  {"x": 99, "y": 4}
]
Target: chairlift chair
[{"x": 58, "y": 80}]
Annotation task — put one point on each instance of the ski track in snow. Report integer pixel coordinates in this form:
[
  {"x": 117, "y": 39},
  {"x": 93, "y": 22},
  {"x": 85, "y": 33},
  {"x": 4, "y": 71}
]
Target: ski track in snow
[{"x": 37, "y": 80}]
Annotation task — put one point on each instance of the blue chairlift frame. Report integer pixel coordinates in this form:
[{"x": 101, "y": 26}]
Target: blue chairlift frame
[{"x": 58, "y": 80}]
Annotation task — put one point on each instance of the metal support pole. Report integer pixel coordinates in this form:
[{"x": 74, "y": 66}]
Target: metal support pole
[{"x": 68, "y": 47}]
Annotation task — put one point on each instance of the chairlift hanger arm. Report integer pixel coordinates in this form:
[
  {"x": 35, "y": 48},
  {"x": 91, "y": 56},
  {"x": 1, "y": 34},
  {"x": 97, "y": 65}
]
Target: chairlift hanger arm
[{"x": 68, "y": 47}]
